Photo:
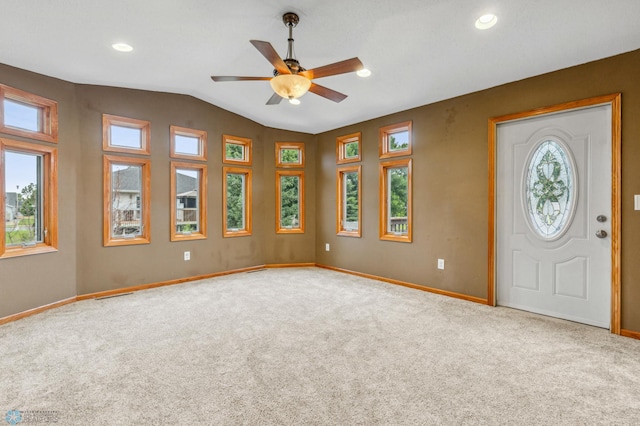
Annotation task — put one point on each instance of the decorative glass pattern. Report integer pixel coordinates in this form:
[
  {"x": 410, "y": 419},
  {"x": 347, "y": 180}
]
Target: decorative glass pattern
[{"x": 550, "y": 190}]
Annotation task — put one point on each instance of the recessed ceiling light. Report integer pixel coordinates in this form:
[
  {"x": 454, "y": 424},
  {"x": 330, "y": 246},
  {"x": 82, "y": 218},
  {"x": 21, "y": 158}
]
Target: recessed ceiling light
[
  {"x": 122, "y": 47},
  {"x": 363, "y": 72},
  {"x": 294, "y": 101},
  {"x": 486, "y": 21}
]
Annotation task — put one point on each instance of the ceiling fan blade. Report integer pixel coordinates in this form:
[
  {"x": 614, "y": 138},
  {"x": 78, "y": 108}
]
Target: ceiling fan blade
[
  {"x": 272, "y": 56},
  {"x": 235, "y": 78},
  {"x": 274, "y": 99},
  {"x": 349, "y": 65},
  {"x": 327, "y": 93}
]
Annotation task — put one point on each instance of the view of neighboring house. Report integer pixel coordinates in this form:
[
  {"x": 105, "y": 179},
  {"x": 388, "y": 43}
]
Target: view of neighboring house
[
  {"x": 126, "y": 201},
  {"x": 11, "y": 206},
  {"x": 187, "y": 203}
]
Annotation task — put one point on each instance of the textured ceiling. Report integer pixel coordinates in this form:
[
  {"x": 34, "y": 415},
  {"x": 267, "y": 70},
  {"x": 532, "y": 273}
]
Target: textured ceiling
[{"x": 419, "y": 51}]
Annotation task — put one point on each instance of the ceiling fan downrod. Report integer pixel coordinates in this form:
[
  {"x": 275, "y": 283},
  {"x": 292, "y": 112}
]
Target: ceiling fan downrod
[{"x": 291, "y": 20}]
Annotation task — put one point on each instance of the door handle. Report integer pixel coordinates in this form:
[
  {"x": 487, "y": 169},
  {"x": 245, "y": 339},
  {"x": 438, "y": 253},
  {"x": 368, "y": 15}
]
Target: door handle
[{"x": 601, "y": 233}]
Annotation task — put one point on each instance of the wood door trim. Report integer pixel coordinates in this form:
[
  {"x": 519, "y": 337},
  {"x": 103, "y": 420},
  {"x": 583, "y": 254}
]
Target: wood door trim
[{"x": 616, "y": 137}]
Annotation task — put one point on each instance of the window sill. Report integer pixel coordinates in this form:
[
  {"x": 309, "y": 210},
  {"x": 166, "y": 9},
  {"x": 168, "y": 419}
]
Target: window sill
[{"x": 27, "y": 251}]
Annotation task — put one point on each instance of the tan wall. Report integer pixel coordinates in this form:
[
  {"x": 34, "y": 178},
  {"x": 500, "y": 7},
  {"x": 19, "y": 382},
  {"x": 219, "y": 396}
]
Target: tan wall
[
  {"x": 450, "y": 181},
  {"x": 450, "y": 190},
  {"x": 32, "y": 281}
]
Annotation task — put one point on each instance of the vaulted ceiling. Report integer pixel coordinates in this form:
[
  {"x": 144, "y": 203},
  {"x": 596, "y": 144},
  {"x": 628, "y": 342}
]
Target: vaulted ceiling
[{"x": 419, "y": 51}]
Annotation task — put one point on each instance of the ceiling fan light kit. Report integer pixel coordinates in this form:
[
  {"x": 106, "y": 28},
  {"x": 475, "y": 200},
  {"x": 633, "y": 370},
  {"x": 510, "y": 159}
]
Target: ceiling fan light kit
[
  {"x": 290, "y": 86},
  {"x": 290, "y": 80}
]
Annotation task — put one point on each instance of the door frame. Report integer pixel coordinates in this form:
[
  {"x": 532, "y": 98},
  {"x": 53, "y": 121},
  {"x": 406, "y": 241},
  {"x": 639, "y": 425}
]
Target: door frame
[{"x": 615, "y": 101}]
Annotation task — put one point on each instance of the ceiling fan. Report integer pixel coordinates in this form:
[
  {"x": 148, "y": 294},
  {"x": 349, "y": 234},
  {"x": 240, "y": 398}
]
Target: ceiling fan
[{"x": 290, "y": 80}]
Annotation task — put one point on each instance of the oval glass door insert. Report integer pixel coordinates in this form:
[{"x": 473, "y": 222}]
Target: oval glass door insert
[{"x": 550, "y": 190}]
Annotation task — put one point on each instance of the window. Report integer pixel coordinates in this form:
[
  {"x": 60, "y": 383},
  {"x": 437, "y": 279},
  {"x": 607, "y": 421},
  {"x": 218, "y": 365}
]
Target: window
[
  {"x": 348, "y": 194},
  {"x": 189, "y": 144},
  {"x": 188, "y": 201},
  {"x": 290, "y": 202},
  {"x": 348, "y": 149},
  {"x": 128, "y": 135},
  {"x": 29, "y": 194},
  {"x": 28, "y": 115},
  {"x": 236, "y": 150},
  {"x": 395, "y": 140},
  {"x": 127, "y": 187},
  {"x": 395, "y": 200},
  {"x": 237, "y": 202},
  {"x": 289, "y": 154}
]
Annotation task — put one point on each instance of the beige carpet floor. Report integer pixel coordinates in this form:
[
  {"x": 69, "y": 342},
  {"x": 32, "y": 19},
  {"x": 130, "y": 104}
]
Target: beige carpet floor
[{"x": 308, "y": 346}]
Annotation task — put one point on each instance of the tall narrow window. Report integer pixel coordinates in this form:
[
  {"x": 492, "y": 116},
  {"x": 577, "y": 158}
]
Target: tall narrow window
[
  {"x": 127, "y": 187},
  {"x": 236, "y": 150},
  {"x": 28, "y": 190},
  {"x": 395, "y": 200},
  {"x": 395, "y": 140},
  {"x": 28, "y": 115},
  {"x": 188, "y": 201},
  {"x": 290, "y": 202},
  {"x": 237, "y": 220},
  {"x": 123, "y": 134},
  {"x": 348, "y": 195},
  {"x": 189, "y": 144}
]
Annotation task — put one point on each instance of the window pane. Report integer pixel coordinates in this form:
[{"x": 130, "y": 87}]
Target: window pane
[
  {"x": 397, "y": 200},
  {"x": 187, "y": 201},
  {"x": 128, "y": 137},
  {"x": 235, "y": 201},
  {"x": 351, "y": 202},
  {"x": 289, "y": 201},
  {"x": 21, "y": 116},
  {"x": 351, "y": 150},
  {"x": 126, "y": 192},
  {"x": 399, "y": 141},
  {"x": 290, "y": 156},
  {"x": 23, "y": 189},
  {"x": 234, "y": 151},
  {"x": 187, "y": 145}
]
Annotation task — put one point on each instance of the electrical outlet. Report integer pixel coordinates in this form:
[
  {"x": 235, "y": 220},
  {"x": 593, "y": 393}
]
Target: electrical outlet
[
  {"x": 187, "y": 255},
  {"x": 327, "y": 247},
  {"x": 440, "y": 263}
]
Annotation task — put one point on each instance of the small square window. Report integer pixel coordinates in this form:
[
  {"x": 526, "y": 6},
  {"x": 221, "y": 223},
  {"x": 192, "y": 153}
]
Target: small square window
[
  {"x": 28, "y": 115},
  {"x": 289, "y": 154},
  {"x": 395, "y": 140},
  {"x": 236, "y": 150},
  {"x": 188, "y": 143},
  {"x": 122, "y": 134},
  {"x": 348, "y": 149}
]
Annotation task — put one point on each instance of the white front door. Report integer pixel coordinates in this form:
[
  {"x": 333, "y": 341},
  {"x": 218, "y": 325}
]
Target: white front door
[{"x": 553, "y": 215}]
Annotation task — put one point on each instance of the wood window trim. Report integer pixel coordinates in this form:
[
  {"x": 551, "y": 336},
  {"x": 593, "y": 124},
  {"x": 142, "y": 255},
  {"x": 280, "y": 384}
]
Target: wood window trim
[
  {"x": 341, "y": 146},
  {"x": 385, "y": 132},
  {"x": 290, "y": 145},
  {"x": 300, "y": 228},
  {"x": 133, "y": 123},
  {"x": 340, "y": 173},
  {"x": 246, "y": 143},
  {"x": 383, "y": 203},
  {"x": 50, "y": 199},
  {"x": 248, "y": 202},
  {"x": 202, "y": 202},
  {"x": 48, "y": 114},
  {"x": 201, "y": 135},
  {"x": 145, "y": 201}
]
